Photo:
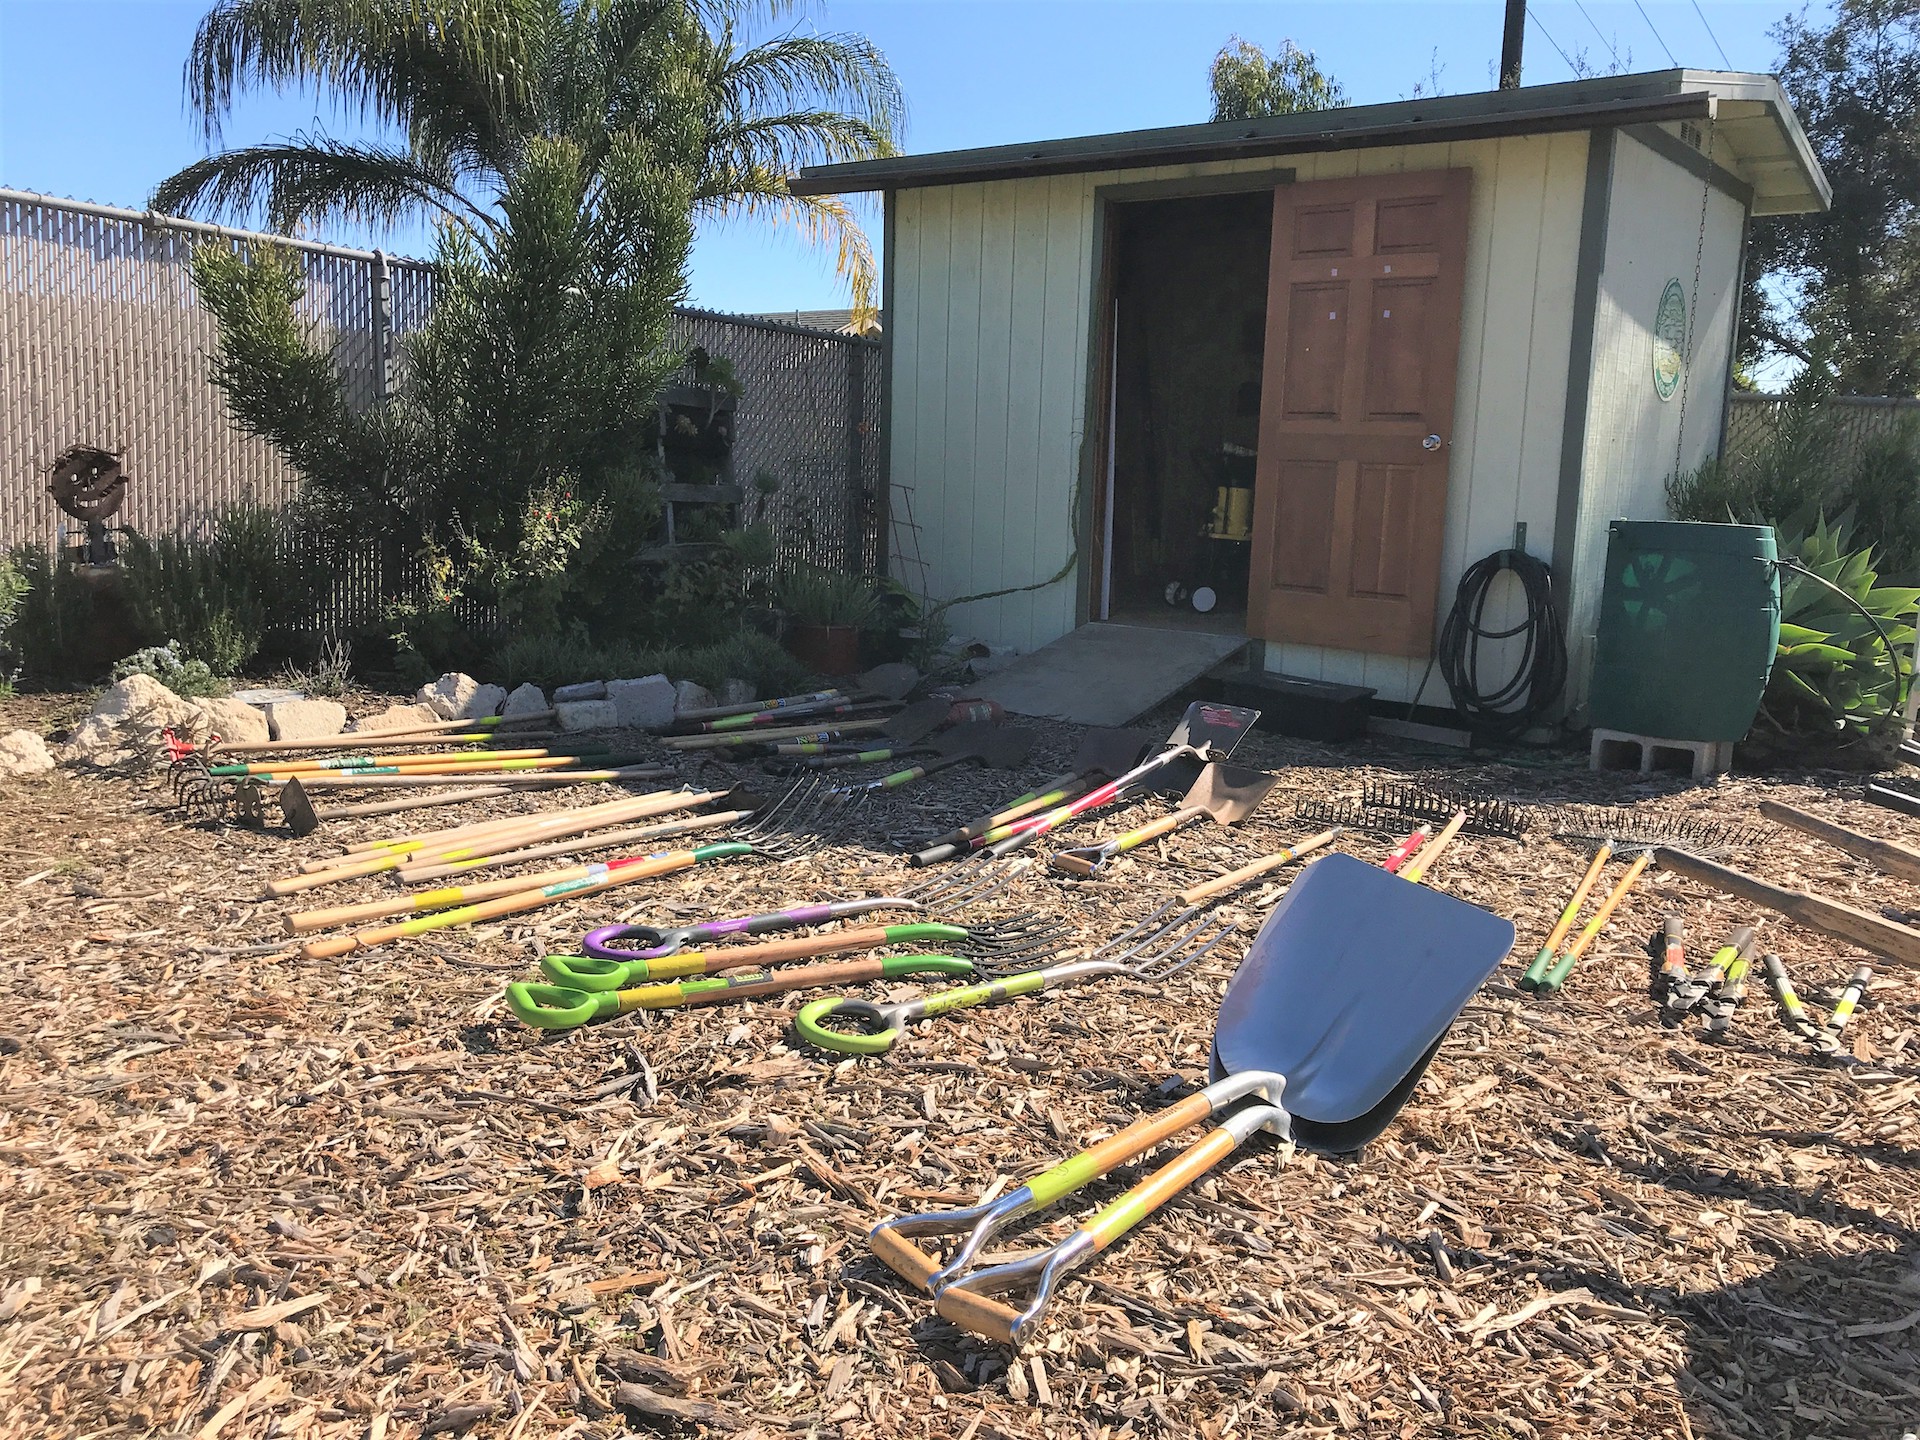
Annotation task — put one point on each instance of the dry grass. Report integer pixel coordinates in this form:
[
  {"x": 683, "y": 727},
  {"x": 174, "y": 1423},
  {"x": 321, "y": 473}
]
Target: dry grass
[{"x": 248, "y": 1195}]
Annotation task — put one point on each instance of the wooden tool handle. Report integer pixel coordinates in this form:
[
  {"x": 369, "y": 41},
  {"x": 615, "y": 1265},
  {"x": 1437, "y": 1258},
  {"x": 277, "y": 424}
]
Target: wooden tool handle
[
  {"x": 904, "y": 1258},
  {"x": 794, "y": 947},
  {"x": 1234, "y": 879},
  {"x": 970, "y": 1310},
  {"x": 1894, "y": 943},
  {"x": 312, "y": 879},
  {"x": 1901, "y": 860},
  {"x": 1431, "y": 852}
]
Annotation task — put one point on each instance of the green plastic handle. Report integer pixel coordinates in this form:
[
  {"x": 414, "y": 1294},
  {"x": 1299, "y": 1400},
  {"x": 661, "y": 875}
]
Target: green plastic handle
[
  {"x": 1557, "y": 976},
  {"x": 882, "y": 1025},
  {"x": 555, "y": 1007},
  {"x": 1537, "y": 971}
]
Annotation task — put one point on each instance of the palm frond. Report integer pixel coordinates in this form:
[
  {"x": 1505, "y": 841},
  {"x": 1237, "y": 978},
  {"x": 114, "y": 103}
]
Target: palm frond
[
  {"x": 820, "y": 220},
  {"x": 787, "y": 142},
  {"x": 313, "y": 178},
  {"x": 841, "y": 71}
]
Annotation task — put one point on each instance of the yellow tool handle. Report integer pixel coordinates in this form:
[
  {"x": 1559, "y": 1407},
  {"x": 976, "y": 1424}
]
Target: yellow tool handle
[
  {"x": 1431, "y": 852},
  {"x": 1572, "y": 912},
  {"x": 1233, "y": 879}
]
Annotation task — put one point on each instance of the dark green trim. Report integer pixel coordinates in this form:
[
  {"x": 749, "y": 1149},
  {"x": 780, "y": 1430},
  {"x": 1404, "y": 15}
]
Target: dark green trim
[
  {"x": 1733, "y": 340},
  {"x": 1092, "y": 472},
  {"x": 888, "y": 211},
  {"x": 1193, "y": 187},
  {"x": 1594, "y": 213},
  {"x": 1671, "y": 147},
  {"x": 1539, "y": 109}
]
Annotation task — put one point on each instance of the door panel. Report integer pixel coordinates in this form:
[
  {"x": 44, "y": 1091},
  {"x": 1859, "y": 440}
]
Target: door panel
[{"x": 1363, "y": 341}]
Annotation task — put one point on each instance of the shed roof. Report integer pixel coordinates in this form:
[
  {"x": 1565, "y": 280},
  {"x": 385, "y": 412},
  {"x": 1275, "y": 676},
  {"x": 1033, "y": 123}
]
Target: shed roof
[{"x": 1750, "y": 112}]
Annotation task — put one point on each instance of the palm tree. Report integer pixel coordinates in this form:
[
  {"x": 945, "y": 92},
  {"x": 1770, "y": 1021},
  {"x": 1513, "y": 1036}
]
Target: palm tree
[{"x": 470, "y": 90}]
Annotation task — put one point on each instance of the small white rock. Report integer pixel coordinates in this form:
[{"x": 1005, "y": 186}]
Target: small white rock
[
  {"x": 397, "y": 717},
  {"x": 23, "y": 752},
  {"x": 306, "y": 719},
  {"x": 585, "y": 690},
  {"x": 525, "y": 700},
  {"x": 461, "y": 697},
  {"x": 643, "y": 704},
  {"x": 578, "y": 715},
  {"x": 234, "y": 721},
  {"x": 737, "y": 692},
  {"x": 96, "y": 741},
  {"x": 687, "y": 695},
  {"x": 141, "y": 700}
]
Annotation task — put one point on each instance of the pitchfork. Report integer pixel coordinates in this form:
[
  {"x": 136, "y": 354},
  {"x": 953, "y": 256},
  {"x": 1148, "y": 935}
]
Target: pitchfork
[
  {"x": 1146, "y": 952},
  {"x": 965, "y": 885}
]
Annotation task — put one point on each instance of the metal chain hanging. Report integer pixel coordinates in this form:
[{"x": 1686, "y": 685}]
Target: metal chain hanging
[{"x": 1693, "y": 297}]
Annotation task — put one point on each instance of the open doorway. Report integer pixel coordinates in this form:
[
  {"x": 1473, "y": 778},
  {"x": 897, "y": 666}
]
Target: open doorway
[{"x": 1190, "y": 307}]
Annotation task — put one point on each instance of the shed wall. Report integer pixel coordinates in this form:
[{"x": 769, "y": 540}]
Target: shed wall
[
  {"x": 990, "y": 328},
  {"x": 1634, "y": 439}
]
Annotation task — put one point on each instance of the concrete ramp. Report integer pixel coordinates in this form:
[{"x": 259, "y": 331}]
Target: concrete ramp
[{"x": 1106, "y": 673}]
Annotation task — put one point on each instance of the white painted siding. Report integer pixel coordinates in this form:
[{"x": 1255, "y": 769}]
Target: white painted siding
[
  {"x": 991, "y": 331},
  {"x": 1634, "y": 439}
]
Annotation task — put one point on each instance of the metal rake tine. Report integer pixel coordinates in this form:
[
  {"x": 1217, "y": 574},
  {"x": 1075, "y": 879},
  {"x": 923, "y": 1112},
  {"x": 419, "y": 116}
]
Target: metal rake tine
[
  {"x": 1164, "y": 966},
  {"x": 970, "y": 881}
]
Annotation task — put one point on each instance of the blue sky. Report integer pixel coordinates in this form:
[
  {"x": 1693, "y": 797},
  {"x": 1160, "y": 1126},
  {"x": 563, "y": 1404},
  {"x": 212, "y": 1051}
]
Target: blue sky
[{"x": 90, "y": 96}]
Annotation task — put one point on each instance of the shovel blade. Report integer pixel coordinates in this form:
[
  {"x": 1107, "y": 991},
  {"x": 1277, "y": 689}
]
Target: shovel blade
[
  {"x": 1214, "y": 728},
  {"x": 297, "y": 810},
  {"x": 1347, "y": 991},
  {"x": 916, "y": 722},
  {"x": 1112, "y": 752},
  {"x": 1229, "y": 793}
]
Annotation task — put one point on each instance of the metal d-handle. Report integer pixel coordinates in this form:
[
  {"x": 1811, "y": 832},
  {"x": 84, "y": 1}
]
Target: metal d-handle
[{"x": 1432, "y": 442}]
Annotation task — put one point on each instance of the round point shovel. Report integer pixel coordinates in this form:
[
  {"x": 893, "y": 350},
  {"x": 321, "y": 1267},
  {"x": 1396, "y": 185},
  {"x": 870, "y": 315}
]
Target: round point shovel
[{"x": 1226, "y": 793}]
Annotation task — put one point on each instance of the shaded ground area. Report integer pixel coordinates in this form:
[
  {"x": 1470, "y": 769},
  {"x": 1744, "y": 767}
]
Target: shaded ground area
[{"x": 255, "y": 1195}]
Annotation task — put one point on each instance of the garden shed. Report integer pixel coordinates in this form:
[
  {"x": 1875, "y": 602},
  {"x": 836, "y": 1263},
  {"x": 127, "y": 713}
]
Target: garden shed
[{"x": 1310, "y": 368}]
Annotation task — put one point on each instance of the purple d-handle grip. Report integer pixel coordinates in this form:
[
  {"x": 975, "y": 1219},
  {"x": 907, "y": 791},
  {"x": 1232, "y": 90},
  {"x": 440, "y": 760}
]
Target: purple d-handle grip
[{"x": 617, "y": 942}]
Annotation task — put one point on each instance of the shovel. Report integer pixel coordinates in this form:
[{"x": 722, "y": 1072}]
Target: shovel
[
  {"x": 1206, "y": 732},
  {"x": 906, "y": 727},
  {"x": 1347, "y": 991},
  {"x": 1103, "y": 753},
  {"x": 1226, "y": 793},
  {"x": 977, "y": 740}
]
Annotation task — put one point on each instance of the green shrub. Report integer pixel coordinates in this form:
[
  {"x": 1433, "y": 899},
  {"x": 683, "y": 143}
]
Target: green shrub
[
  {"x": 13, "y": 594},
  {"x": 813, "y": 595},
  {"x": 52, "y": 617},
  {"x": 1833, "y": 675},
  {"x": 169, "y": 664},
  {"x": 181, "y": 594}
]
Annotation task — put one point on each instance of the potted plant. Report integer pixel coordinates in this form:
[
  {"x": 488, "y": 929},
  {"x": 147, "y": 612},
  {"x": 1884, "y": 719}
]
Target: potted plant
[{"x": 826, "y": 612}]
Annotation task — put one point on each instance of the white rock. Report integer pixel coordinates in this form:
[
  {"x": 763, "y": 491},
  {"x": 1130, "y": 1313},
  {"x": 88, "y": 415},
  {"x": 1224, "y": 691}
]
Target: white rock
[
  {"x": 234, "y": 721},
  {"x": 525, "y": 700},
  {"x": 397, "y": 717},
  {"x": 24, "y": 753},
  {"x": 585, "y": 690},
  {"x": 577, "y": 715},
  {"x": 997, "y": 658},
  {"x": 737, "y": 692},
  {"x": 461, "y": 697},
  {"x": 306, "y": 719},
  {"x": 97, "y": 741},
  {"x": 141, "y": 700},
  {"x": 687, "y": 695},
  {"x": 644, "y": 704}
]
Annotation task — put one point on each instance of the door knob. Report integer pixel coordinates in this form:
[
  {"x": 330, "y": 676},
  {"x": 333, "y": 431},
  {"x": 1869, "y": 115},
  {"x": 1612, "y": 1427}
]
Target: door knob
[{"x": 1432, "y": 442}]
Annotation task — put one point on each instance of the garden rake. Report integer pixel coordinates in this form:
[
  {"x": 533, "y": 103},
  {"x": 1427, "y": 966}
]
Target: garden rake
[
  {"x": 1386, "y": 807},
  {"x": 799, "y": 822}
]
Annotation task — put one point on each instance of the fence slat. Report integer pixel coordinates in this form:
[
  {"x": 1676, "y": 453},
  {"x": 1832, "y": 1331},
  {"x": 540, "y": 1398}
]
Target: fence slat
[{"x": 103, "y": 342}]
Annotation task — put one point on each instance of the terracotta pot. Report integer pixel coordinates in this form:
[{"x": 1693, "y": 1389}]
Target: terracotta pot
[{"x": 825, "y": 649}]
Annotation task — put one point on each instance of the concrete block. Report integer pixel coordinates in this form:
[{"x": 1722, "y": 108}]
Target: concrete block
[
  {"x": 525, "y": 700},
  {"x": 689, "y": 696},
  {"x": 306, "y": 719},
  {"x": 234, "y": 721},
  {"x": 397, "y": 717},
  {"x": 24, "y": 753},
  {"x": 577, "y": 715},
  {"x": 644, "y": 704},
  {"x": 1618, "y": 750},
  {"x": 585, "y": 690}
]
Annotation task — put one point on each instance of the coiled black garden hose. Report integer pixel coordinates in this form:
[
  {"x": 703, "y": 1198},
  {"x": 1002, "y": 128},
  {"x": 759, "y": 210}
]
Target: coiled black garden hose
[{"x": 1542, "y": 672}]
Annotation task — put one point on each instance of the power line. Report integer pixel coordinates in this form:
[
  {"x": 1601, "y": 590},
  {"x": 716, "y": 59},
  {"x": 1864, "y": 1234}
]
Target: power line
[
  {"x": 1671, "y": 57},
  {"x": 1603, "y": 39},
  {"x": 1553, "y": 42},
  {"x": 1711, "y": 36}
]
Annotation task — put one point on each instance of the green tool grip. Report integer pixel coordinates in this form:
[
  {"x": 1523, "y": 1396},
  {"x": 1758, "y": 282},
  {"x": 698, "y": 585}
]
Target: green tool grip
[
  {"x": 1537, "y": 971},
  {"x": 554, "y": 1007},
  {"x": 811, "y": 1026},
  {"x": 1557, "y": 976}
]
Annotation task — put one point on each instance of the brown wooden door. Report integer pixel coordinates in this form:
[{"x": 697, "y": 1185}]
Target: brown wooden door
[{"x": 1363, "y": 338}]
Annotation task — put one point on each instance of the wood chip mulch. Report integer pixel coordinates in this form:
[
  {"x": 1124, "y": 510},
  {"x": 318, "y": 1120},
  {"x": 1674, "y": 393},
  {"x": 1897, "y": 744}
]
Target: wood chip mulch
[{"x": 243, "y": 1194}]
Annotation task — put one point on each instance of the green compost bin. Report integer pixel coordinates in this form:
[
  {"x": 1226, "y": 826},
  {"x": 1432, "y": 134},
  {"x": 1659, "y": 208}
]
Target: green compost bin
[{"x": 1689, "y": 623}]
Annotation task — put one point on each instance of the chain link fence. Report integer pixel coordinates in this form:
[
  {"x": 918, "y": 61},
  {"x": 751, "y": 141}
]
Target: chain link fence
[
  {"x": 1857, "y": 418},
  {"x": 103, "y": 342}
]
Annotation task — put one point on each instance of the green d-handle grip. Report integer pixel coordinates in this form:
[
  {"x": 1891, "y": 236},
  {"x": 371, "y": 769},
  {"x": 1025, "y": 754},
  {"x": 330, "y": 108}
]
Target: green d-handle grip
[
  {"x": 587, "y": 972},
  {"x": 882, "y": 1025},
  {"x": 556, "y": 1007}
]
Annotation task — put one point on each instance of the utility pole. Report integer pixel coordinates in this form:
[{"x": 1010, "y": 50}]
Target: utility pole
[{"x": 1511, "y": 40}]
